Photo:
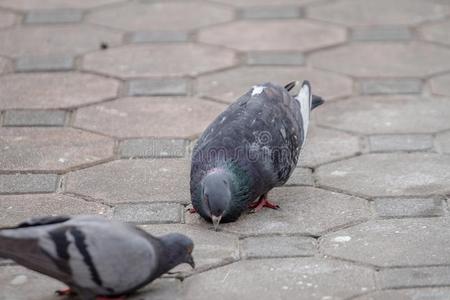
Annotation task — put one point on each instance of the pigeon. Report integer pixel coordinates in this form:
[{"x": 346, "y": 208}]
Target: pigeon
[
  {"x": 250, "y": 148},
  {"x": 94, "y": 257}
]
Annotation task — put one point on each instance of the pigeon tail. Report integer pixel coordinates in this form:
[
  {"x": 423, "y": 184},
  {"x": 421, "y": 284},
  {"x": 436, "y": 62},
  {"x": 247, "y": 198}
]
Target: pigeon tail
[{"x": 316, "y": 101}]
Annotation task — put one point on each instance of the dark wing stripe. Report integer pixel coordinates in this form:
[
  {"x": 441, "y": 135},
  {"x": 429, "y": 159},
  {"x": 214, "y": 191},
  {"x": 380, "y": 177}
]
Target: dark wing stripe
[
  {"x": 59, "y": 237},
  {"x": 82, "y": 247}
]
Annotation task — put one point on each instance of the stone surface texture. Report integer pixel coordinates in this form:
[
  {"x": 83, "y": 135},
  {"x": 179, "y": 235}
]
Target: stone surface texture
[
  {"x": 102, "y": 101},
  {"x": 62, "y": 90}
]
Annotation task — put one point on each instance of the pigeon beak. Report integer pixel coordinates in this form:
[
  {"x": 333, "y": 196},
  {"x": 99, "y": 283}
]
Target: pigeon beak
[
  {"x": 216, "y": 221},
  {"x": 190, "y": 261}
]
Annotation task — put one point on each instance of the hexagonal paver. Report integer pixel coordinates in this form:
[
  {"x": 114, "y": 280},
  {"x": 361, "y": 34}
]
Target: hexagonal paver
[
  {"x": 240, "y": 3},
  {"x": 411, "y": 242},
  {"x": 383, "y": 114},
  {"x": 384, "y": 59},
  {"x": 441, "y": 85},
  {"x": 231, "y": 84},
  {"x": 19, "y": 283},
  {"x": 443, "y": 142},
  {"x": 156, "y": 117},
  {"x": 273, "y": 35},
  {"x": 61, "y": 90},
  {"x": 151, "y": 60},
  {"x": 5, "y": 66},
  {"x": 144, "y": 16},
  {"x": 437, "y": 32},
  {"x": 292, "y": 278},
  {"x": 121, "y": 181},
  {"x": 55, "y": 40},
  {"x": 6, "y": 19},
  {"x": 396, "y": 174},
  {"x": 408, "y": 294},
  {"x": 360, "y": 13},
  {"x": 324, "y": 145},
  {"x": 16, "y": 208},
  {"x": 53, "y": 4},
  {"x": 210, "y": 247},
  {"x": 303, "y": 210},
  {"x": 51, "y": 149}
]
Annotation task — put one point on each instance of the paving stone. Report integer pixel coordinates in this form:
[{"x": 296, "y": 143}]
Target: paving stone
[
  {"x": 414, "y": 277},
  {"x": 211, "y": 248},
  {"x": 381, "y": 59},
  {"x": 262, "y": 12},
  {"x": 162, "y": 15},
  {"x": 55, "y": 40},
  {"x": 272, "y": 35},
  {"x": 441, "y": 85},
  {"x": 27, "y": 183},
  {"x": 53, "y": 4},
  {"x": 402, "y": 142},
  {"x": 392, "y": 242},
  {"x": 408, "y": 294},
  {"x": 437, "y": 32},
  {"x": 443, "y": 143},
  {"x": 135, "y": 117},
  {"x": 151, "y": 60},
  {"x": 391, "y": 86},
  {"x": 387, "y": 114},
  {"x": 126, "y": 181},
  {"x": 158, "y": 87},
  {"x": 390, "y": 174},
  {"x": 381, "y": 33},
  {"x": 7, "y": 19},
  {"x": 301, "y": 176},
  {"x": 34, "y": 118},
  {"x": 159, "y": 37},
  {"x": 269, "y": 3},
  {"x": 24, "y": 91},
  {"x": 275, "y": 58},
  {"x": 5, "y": 66},
  {"x": 16, "y": 208},
  {"x": 160, "y": 289},
  {"x": 325, "y": 145},
  {"x": 409, "y": 207},
  {"x": 152, "y": 148},
  {"x": 46, "y": 63},
  {"x": 278, "y": 246},
  {"x": 148, "y": 213},
  {"x": 304, "y": 210},
  {"x": 44, "y": 16},
  {"x": 19, "y": 283},
  {"x": 51, "y": 149},
  {"x": 231, "y": 84},
  {"x": 383, "y": 12},
  {"x": 292, "y": 278}
]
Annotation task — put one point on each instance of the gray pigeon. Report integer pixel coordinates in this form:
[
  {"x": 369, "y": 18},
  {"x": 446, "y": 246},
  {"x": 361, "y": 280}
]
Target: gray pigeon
[
  {"x": 95, "y": 257},
  {"x": 250, "y": 148}
]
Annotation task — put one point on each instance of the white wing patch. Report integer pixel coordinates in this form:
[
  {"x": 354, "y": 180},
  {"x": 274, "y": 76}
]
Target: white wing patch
[
  {"x": 304, "y": 97},
  {"x": 257, "y": 89}
]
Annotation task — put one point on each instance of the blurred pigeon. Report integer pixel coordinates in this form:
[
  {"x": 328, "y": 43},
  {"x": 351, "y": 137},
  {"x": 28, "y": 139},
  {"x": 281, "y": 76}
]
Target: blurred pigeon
[
  {"x": 250, "y": 148},
  {"x": 96, "y": 258}
]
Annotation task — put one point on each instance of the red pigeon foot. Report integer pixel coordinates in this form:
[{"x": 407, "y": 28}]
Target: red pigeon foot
[
  {"x": 263, "y": 202},
  {"x": 192, "y": 210},
  {"x": 65, "y": 292}
]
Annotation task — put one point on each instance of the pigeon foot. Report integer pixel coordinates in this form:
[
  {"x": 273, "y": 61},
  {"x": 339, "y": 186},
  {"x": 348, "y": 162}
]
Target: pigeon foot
[
  {"x": 192, "y": 210},
  {"x": 262, "y": 202},
  {"x": 65, "y": 292}
]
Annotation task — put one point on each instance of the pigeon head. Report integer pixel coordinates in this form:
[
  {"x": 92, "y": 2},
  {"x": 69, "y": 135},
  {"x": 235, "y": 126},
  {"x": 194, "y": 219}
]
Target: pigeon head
[
  {"x": 216, "y": 195},
  {"x": 178, "y": 248}
]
